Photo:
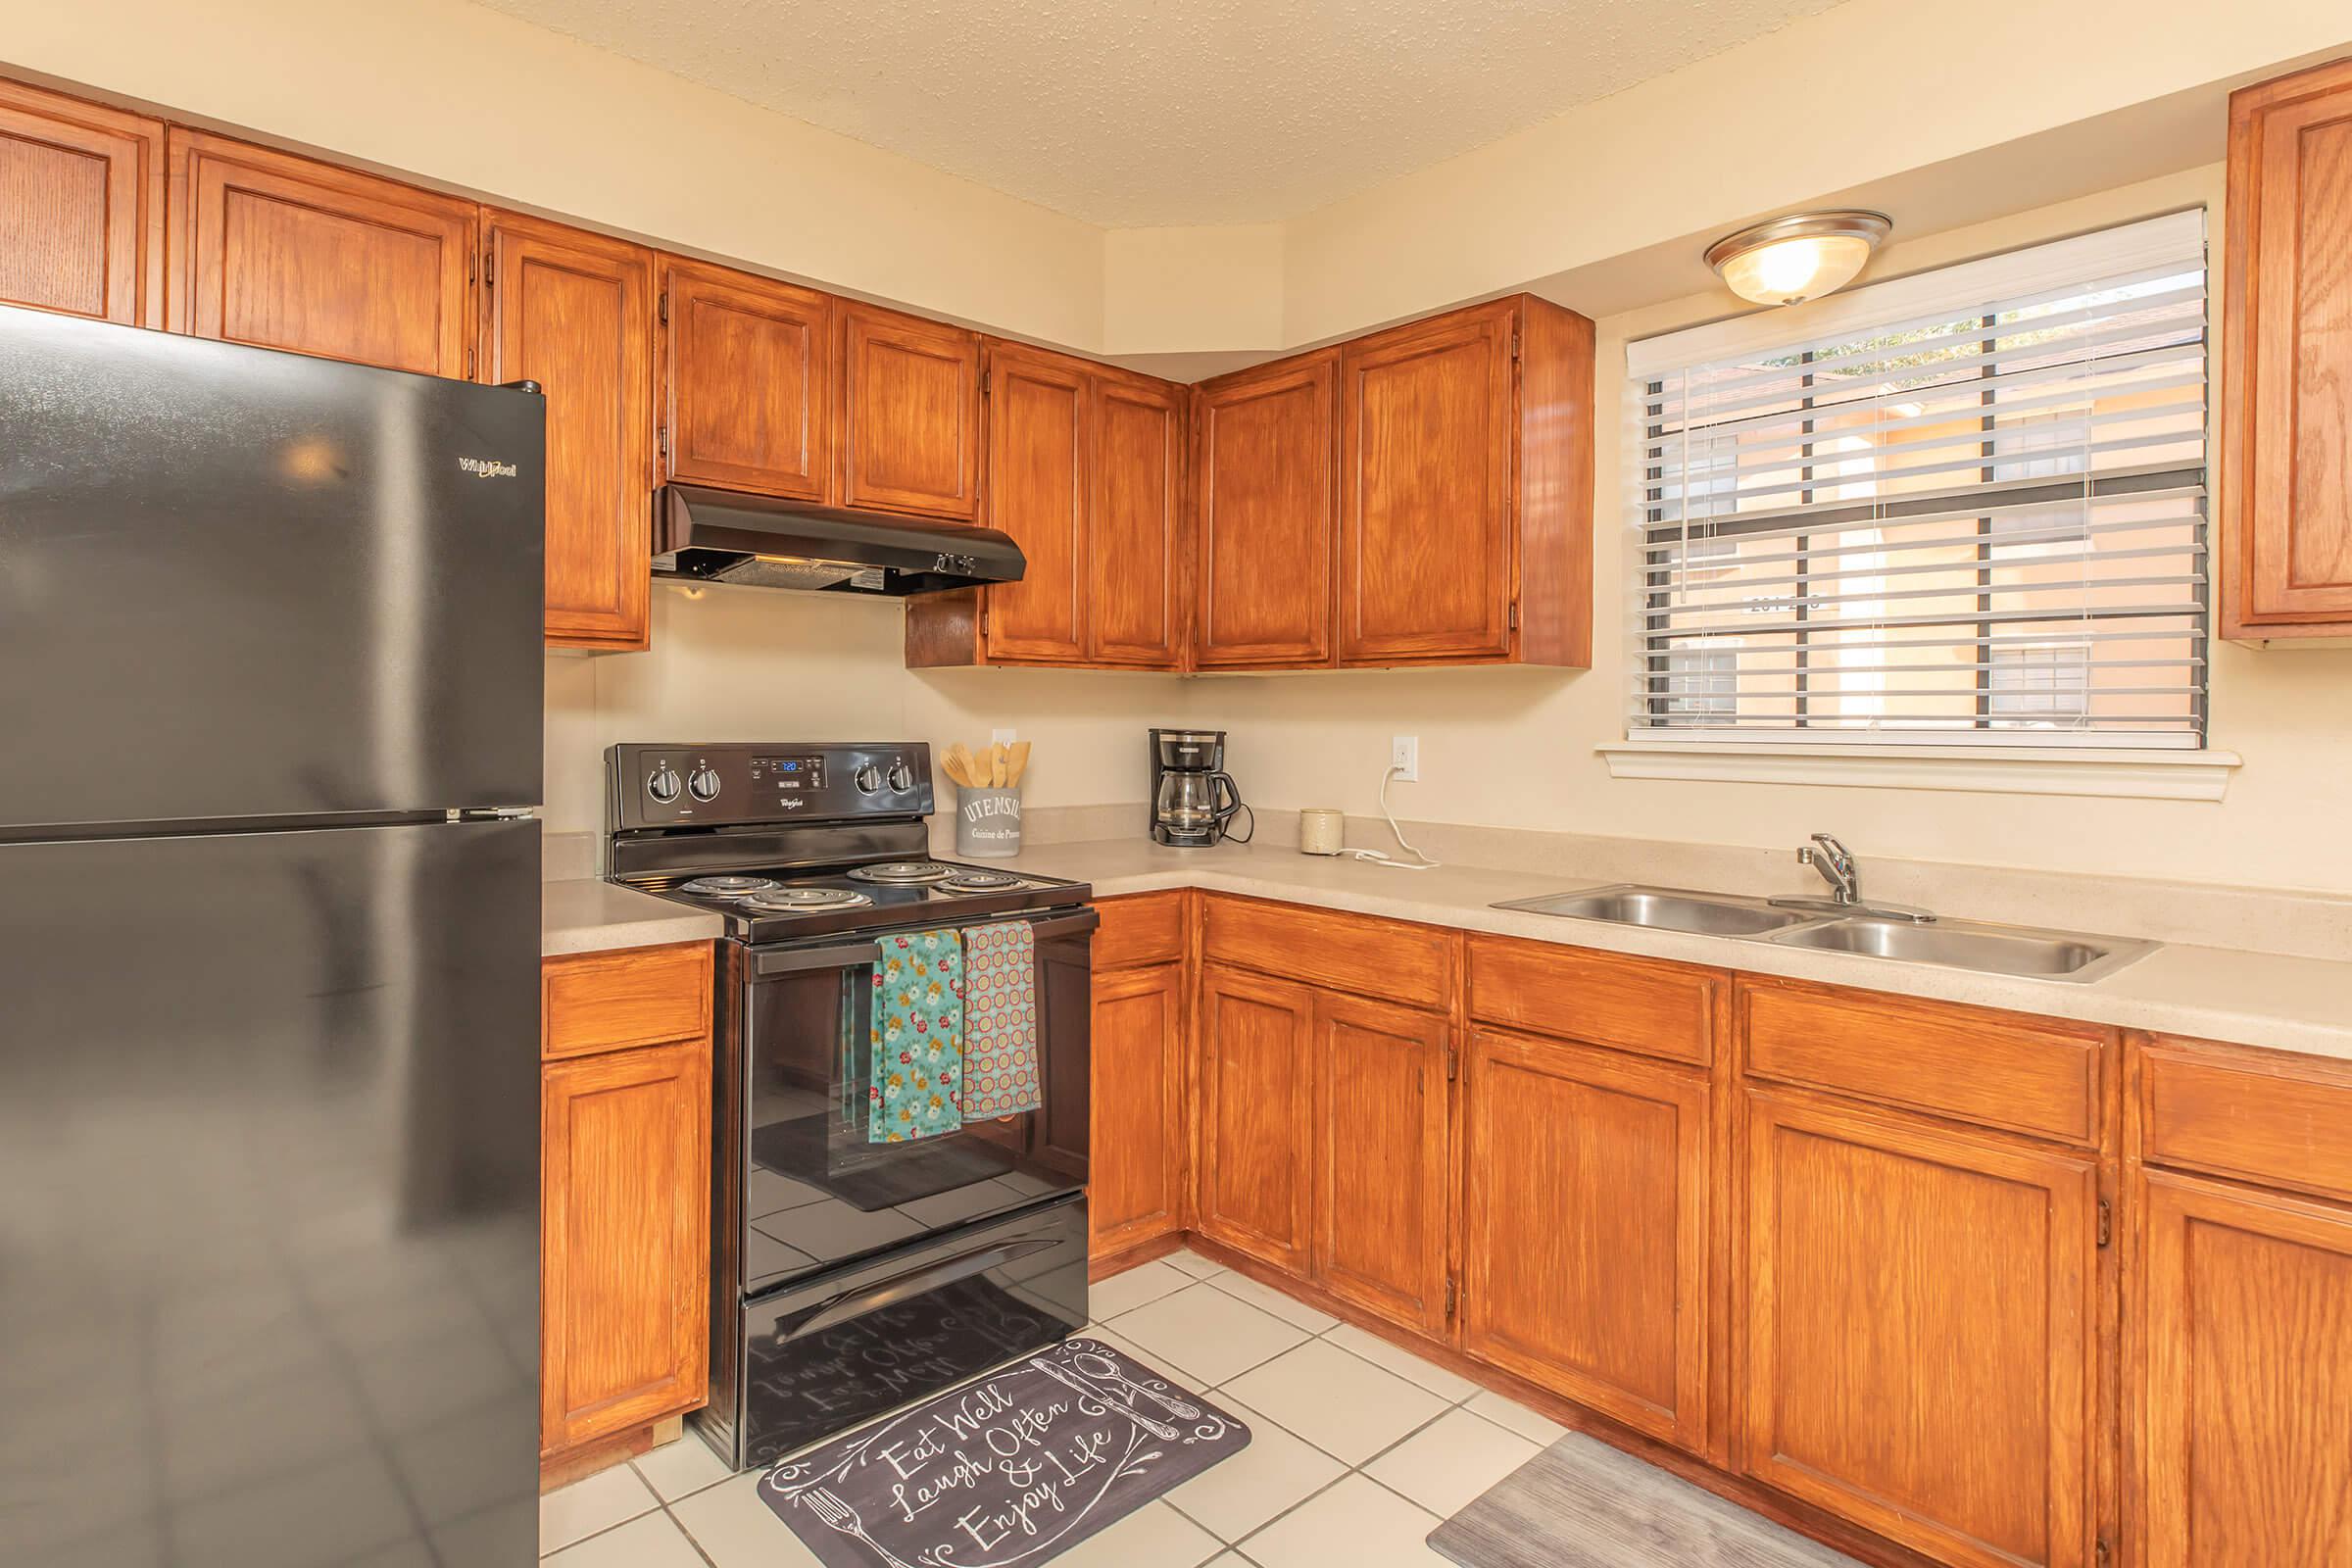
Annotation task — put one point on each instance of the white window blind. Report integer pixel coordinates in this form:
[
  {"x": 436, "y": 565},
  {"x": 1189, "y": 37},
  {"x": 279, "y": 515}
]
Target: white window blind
[{"x": 1963, "y": 506}]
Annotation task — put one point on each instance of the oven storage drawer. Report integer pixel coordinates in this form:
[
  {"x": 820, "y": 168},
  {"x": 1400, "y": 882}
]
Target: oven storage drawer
[{"x": 820, "y": 1356}]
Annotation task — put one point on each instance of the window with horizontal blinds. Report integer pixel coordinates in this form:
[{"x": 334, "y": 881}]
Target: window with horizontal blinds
[{"x": 1963, "y": 506}]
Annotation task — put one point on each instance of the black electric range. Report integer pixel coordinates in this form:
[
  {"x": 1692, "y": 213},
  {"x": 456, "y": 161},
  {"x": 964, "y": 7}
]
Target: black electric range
[{"x": 851, "y": 1276}]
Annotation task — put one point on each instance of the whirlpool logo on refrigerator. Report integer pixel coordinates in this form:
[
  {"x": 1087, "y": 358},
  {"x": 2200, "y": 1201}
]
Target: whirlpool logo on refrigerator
[{"x": 487, "y": 468}]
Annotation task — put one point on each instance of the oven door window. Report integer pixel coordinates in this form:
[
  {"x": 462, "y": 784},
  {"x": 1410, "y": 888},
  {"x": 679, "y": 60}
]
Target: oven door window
[{"x": 819, "y": 1191}]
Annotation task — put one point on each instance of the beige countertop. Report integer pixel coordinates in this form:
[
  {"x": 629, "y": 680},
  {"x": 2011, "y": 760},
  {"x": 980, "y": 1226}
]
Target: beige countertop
[
  {"x": 584, "y": 914},
  {"x": 2289, "y": 1003}
]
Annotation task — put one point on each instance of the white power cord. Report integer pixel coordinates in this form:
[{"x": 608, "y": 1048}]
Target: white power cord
[{"x": 1418, "y": 862}]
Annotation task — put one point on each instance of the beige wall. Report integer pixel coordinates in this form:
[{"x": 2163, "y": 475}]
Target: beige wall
[{"x": 1515, "y": 747}]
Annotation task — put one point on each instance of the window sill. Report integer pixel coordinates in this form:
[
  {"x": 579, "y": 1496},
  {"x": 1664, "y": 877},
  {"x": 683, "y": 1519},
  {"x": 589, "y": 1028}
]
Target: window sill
[{"x": 2184, "y": 775}]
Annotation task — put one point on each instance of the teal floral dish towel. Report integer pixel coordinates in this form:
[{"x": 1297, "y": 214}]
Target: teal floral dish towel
[
  {"x": 999, "y": 1020},
  {"x": 918, "y": 1089}
]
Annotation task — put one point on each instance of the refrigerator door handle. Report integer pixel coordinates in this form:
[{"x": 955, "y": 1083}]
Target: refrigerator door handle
[{"x": 914, "y": 1282}]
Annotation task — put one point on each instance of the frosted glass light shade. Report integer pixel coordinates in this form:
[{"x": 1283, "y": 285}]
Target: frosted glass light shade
[{"x": 1798, "y": 258}]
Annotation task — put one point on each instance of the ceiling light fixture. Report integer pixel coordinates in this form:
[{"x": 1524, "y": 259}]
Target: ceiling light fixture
[{"x": 1801, "y": 257}]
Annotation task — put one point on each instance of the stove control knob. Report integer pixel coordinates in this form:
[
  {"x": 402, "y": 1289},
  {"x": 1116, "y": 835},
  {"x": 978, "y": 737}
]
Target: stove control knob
[
  {"x": 902, "y": 778},
  {"x": 868, "y": 778},
  {"x": 702, "y": 782},
  {"x": 662, "y": 785}
]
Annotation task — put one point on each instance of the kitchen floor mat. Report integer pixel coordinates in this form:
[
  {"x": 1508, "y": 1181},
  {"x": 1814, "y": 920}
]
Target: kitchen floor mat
[
  {"x": 1581, "y": 1504},
  {"x": 1005, "y": 1472}
]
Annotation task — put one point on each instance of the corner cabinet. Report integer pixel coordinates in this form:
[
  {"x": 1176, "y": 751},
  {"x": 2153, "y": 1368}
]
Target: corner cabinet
[
  {"x": 1266, "y": 503},
  {"x": 82, "y": 228},
  {"x": 2286, "y": 360},
  {"x": 281, "y": 252},
  {"x": 625, "y": 1195},
  {"x": 573, "y": 312},
  {"x": 1466, "y": 490}
]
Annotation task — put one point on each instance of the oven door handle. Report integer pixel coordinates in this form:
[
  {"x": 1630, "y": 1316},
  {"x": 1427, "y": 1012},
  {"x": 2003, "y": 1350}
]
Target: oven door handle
[
  {"x": 914, "y": 1282},
  {"x": 840, "y": 954}
]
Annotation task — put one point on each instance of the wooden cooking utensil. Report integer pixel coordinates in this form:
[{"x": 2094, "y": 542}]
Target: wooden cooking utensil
[{"x": 1018, "y": 761}]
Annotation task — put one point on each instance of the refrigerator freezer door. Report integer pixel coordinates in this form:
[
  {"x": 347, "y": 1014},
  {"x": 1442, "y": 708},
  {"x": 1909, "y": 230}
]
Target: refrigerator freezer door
[
  {"x": 269, "y": 1198},
  {"x": 237, "y": 583}
]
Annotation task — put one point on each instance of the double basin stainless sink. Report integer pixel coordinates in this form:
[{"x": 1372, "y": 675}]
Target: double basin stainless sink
[{"x": 1954, "y": 944}]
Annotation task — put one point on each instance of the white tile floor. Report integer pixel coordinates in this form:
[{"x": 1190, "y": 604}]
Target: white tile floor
[{"x": 1357, "y": 1450}]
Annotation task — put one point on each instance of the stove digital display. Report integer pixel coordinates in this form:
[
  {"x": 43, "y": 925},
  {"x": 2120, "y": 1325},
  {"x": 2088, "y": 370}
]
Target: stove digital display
[{"x": 790, "y": 773}]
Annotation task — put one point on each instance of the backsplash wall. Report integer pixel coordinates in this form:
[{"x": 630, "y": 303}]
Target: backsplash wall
[{"x": 751, "y": 663}]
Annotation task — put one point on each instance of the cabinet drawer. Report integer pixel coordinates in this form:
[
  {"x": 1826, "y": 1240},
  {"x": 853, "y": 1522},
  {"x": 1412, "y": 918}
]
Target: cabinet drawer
[
  {"x": 2001, "y": 1069},
  {"x": 1145, "y": 928},
  {"x": 2247, "y": 1114},
  {"x": 606, "y": 1000},
  {"x": 1660, "y": 1009},
  {"x": 1411, "y": 964}
]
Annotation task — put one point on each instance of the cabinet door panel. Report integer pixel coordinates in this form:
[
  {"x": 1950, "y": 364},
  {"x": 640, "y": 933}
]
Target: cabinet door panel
[
  {"x": 1917, "y": 1346},
  {"x": 1425, "y": 504},
  {"x": 1381, "y": 1153},
  {"x": 2245, "y": 1397},
  {"x": 1256, "y": 1113},
  {"x": 1265, "y": 472},
  {"x": 81, "y": 207},
  {"x": 625, "y": 1170},
  {"x": 2289, "y": 354},
  {"x": 1039, "y": 427},
  {"x": 1585, "y": 1219},
  {"x": 573, "y": 311},
  {"x": 747, "y": 378},
  {"x": 1133, "y": 524},
  {"x": 911, "y": 413},
  {"x": 1135, "y": 1180},
  {"x": 287, "y": 253}
]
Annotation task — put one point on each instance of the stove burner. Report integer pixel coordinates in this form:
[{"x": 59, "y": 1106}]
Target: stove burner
[
  {"x": 971, "y": 880},
  {"x": 903, "y": 873},
  {"x": 799, "y": 901},
  {"x": 728, "y": 886}
]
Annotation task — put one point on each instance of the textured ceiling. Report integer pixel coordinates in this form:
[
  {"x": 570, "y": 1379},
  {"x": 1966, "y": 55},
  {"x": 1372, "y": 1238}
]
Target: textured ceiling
[{"x": 1127, "y": 113}]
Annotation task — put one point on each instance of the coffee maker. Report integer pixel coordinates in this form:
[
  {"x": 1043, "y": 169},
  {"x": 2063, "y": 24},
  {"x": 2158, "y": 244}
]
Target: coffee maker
[{"x": 1193, "y": 800}]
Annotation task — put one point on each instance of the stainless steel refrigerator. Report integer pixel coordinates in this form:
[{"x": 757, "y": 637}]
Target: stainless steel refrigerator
[{"x": 269, "y": 734}]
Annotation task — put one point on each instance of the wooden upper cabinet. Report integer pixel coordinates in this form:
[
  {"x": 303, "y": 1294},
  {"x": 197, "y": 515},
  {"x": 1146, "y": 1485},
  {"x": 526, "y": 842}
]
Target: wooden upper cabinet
[
  {"x": 282, "y": 251},
  {"x": 2286, "y": 359},
  {"x": 1465, "y": 489},
  {"x": 1135, "y": 523},
  {"x": 1135, "y": 1179},
  {"x": 1586, "y": 1212},
  {"x": 81, "y": 207},
  {"x": 1256, "y": 1040},
  {"x": 1265, "y": 479},
  {"x": 746, "y": 368},
  {"x": 1918, "y": 1335},
  {"x": 1040, "y": 428},
  {"x": 910, "y": 423},
  {"x": 573, "y": 312},
  {"x": 1425, "y": 509},
  {"x": 1383, "y": 1156},
  {"x": 2243, "y": 1388}
]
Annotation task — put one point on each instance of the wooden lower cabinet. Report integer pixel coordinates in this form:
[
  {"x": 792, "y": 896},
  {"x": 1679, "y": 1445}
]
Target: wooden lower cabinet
[
  {"x": 2244, "y": 1385},
  {"x": 1135, "y": 1174},
  {"x": 624, "y": 1194},
  {"x": 1918, "y": 1337},
  {"x": 1586, "y": 1218},
  {"x": 1257, "y": 1105},
  {"x": 1381, "y": 1145}
]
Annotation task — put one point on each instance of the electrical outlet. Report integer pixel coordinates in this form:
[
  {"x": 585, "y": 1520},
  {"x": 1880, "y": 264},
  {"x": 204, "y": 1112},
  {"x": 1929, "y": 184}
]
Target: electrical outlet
[
  {"x": 1003, "y": 737},
  {"x": 1404, "y": 757}
]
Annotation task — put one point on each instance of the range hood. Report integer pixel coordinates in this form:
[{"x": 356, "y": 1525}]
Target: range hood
[{"x": 703, "y": 535}]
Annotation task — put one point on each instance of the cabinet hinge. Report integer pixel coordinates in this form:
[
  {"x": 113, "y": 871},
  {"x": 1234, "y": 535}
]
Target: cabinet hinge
[
  {"x": 2106, "y": 1222},
  {"x": 662, "y": 307},
  {"x": 489, "y": 269},
  {"x": 983, "y": 621},
  {"x": 1514, "y": 342},
  {"x": 469, "y": 268},
  {"x": 1453, "y": 1298},
  {"x": 2101, "y": 1553},
  {"x": 1514, "y": 617},
  {"x": 662, "y": 445},
  {"x": 984, "y": 383},
  {"x": 470, "y": 364},
  {"x": 1454, "y": 1063}
]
